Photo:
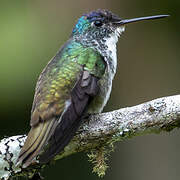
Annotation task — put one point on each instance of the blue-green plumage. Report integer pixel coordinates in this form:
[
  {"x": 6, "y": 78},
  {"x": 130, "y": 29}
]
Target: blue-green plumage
[{"x": 77, "y": 81}]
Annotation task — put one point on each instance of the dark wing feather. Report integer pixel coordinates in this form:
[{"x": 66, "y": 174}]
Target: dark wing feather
[{"x": 83, "y": 92}]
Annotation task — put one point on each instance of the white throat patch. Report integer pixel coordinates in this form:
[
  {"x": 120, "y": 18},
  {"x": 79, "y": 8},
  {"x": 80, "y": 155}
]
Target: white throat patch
[{"x": 111, "y": 44}]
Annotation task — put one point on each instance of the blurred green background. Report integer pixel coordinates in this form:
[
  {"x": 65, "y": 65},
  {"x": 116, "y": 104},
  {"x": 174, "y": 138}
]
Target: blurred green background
[{"x": 148, "y": 67}]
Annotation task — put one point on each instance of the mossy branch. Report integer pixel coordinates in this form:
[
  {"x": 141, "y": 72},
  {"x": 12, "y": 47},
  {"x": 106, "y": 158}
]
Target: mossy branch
[{"x": 101, "y": 130}]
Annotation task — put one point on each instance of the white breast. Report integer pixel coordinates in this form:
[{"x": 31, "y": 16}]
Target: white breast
[
  {"x": 111, "y": 45},
  {"x": 109, "y": 75}
]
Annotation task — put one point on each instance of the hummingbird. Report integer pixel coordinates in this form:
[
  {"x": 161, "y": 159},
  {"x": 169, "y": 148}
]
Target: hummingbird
[{"x": 77, "y": 81}]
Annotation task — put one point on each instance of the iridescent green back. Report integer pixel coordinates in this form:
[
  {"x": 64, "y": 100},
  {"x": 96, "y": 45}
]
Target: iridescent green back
[{"x": 59, "y": 77}]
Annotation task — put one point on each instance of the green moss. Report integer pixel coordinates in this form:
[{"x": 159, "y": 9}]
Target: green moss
[{"x": 99, "y": 157}]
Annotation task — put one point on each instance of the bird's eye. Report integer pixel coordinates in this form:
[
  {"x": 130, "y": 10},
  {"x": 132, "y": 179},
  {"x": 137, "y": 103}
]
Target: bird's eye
[{"x": 98, "y": 23}]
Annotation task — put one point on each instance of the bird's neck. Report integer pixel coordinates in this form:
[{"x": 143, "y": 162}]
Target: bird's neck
[{"x": 106, "y": 46}]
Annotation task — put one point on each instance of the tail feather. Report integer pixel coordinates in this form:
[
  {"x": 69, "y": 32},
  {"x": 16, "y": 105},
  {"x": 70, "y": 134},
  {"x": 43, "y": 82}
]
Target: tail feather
[
  {"x": 57, "y": 145},
  {"x": 37, "y": 138}
]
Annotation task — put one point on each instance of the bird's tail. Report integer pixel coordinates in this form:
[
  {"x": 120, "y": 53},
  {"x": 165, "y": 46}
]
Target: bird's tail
[{"x": 37, "y": 138}]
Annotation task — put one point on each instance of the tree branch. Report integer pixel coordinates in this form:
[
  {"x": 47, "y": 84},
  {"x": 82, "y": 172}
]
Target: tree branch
[{"x": 158, "y": 115}]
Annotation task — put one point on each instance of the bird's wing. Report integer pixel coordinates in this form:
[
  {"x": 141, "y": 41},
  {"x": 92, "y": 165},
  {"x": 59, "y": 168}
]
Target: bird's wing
[
  {"x": 63, "y": 92},
  {"x": 83, "y": 92}
]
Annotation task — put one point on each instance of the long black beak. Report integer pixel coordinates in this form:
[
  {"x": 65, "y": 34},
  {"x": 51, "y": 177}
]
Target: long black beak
[{"x": 126, "y": 21}]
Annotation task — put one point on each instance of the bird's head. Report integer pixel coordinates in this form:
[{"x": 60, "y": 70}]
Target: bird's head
[
  {"x": 102, "y": 24},
  {"x": 99, "y": 24}
]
